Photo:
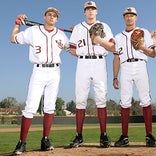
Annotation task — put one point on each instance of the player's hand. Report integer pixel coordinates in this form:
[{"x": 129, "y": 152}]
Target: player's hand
[
  {"x": 96, "y": 40},
  {"x": 73, "y": 51},
  {"x": 20, "y": 18},
  {"x": 71, "y": 27},
  {"x": 142, "y": 43},
  {"x": 116, "y": 83}
]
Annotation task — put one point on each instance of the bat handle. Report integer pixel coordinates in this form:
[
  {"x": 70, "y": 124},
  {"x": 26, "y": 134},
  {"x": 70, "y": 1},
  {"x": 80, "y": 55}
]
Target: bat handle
[
  {"x": 65, "y": 30},
  {"x": 23, "y": 22}
]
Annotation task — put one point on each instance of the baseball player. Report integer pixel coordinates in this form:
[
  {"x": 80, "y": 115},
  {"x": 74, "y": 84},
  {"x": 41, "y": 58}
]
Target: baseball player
[
  {"x": 45, "y": 44},
  {"x": 91, "y": 69},
  {"x": 133, "y": 64}
]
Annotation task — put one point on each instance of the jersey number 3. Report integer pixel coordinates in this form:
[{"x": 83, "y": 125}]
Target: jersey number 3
[{"x": 38, "y": 49}]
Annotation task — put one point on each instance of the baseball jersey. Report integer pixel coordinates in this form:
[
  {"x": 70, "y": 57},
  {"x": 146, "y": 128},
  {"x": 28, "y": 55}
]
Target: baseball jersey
[
  {"x": 44, "y": 46},
  {"x": 124, "y": 47},
  {"x": 83, "y": 44}
]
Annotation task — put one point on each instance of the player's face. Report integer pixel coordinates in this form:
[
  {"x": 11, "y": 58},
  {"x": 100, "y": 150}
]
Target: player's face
[
  {"x": 90, "y": 12},
  {"x": 51, "y": 18},
  {"x": 130, "y": 19}
]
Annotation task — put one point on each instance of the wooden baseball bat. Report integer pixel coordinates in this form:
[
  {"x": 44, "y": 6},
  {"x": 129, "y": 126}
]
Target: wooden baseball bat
[{"x": 32, "y": 23}]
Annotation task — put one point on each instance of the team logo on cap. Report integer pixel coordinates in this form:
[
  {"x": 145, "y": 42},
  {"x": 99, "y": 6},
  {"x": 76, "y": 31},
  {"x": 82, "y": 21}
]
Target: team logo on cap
[
  {"x": 89, "y": 3},
  {"x": 129, "y": 9}
]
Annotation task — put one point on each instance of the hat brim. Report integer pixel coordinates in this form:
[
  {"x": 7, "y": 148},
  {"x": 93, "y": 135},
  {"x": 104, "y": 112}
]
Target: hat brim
[
  {"x": 129, "y": 13},
  {"x": 90, "y": 7},
  {"x": 52, "y": 10}
]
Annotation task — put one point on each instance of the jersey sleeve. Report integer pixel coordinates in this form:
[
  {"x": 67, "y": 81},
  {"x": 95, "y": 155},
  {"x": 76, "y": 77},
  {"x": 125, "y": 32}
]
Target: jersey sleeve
[
  {"x": 108, "y": 32},
  {"x": 117, "y": 48},
  {"x": 148, "y": 41},
  {"x": 73, "y": 38},
  {"x": 24, "y": 37}
]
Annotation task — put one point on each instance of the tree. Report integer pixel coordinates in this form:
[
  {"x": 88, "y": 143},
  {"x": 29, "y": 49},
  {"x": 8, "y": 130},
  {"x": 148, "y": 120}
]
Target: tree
[
  {"x": 113, "y": 109},
  {"x": 135, "y": 108},
  {"x": 60, "y": 105},
  {"x": 71, "y": 106},
  {"x": 91, "y": 107},
  {"x": 20, "y": 107},
  {"x": 8, "y": 102}
]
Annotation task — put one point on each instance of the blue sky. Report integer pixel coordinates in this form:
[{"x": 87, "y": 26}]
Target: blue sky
[{"x": 15, "y": 67}]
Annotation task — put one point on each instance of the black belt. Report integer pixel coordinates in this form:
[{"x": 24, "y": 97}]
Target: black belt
[
  {"x": 134, "y": 60},
  {"x": 48, "y": 65},
  {"x": 92, "y": 57}
]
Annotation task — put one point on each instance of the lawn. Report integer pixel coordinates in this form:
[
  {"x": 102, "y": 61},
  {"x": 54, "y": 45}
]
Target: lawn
[{"x": 62, "y": 137}]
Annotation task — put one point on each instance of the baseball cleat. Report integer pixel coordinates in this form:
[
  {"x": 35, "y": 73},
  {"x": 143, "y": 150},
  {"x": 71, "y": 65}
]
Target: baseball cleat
[
  {"x": 122, "y": 142},
  {"x": 104, "y": 141},
  {"x": 77, "y": 142},
  {"x": 46, "y": 145},
  {"x": 20, "y": 148},
  {"x": 150, "y": 141}
]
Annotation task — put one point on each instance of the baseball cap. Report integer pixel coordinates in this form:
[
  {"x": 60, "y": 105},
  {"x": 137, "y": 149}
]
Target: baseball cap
[
  {"x": 130, "y": 10},
  {"x": 53, "y": 10},
  {"x": 90, "y": 4}
]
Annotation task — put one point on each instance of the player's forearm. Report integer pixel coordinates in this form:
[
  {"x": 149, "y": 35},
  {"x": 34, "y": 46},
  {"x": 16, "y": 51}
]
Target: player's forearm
[
  {"x": 15, "y": 30},
  {"x": 116, "y": 66},
  {"x": 148, "y": 51},
  {"x": 107, "y": 45}
]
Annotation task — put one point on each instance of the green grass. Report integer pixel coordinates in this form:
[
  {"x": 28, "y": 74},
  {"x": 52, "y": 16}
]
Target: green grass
[{"x": 8, "y": 140}]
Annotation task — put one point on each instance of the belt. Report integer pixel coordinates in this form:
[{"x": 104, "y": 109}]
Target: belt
[
  {"x": 133, "y": 60},
  {"x": 48, "y": 65},
  {"x": 91, "y": 57}
]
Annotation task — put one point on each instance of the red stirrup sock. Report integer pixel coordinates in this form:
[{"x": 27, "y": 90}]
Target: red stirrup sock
[
  {"x": 80, "y": 116},
  {"x": 147, "y": 113},
  {"x": 25, "y": 125},
  {"x": 102, "y": 116},
  {"x": 47, "y": 122},
  {"x": 125, "y": 115}
]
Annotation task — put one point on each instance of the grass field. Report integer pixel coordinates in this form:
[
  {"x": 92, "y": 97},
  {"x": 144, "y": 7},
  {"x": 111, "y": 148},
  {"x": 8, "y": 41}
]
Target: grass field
[{"x": 62, "y": 135}]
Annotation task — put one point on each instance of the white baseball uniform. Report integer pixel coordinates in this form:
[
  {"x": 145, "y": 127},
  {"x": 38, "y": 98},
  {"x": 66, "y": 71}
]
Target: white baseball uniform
[
  {"x": 91, "y": 65},
  {"x": 133, "y": 68},
  {"x": 44, "y": 53}
]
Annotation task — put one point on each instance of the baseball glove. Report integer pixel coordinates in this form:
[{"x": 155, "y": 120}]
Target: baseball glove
[
  {"x": 97, "y": 30},
  {"x": 137, "y": 38}
]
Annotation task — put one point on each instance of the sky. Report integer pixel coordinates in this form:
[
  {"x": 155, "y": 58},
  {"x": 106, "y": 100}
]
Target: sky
[{"x": 15, "y": 67}]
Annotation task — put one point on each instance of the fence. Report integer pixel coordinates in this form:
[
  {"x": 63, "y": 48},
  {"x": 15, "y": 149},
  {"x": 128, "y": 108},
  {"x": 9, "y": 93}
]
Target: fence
[{"x": 71, "y": 120}]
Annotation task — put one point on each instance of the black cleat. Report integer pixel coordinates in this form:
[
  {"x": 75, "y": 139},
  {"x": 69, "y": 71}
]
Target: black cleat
[
  {"x": 104, "y": 141},
  {"x": 20, "y": 148},
  {"x": 150, "y": 141},
  {"x": 77, "y": 142},
  {"x": 46, "y": 145},
  {"x": 122, "y": 142}
]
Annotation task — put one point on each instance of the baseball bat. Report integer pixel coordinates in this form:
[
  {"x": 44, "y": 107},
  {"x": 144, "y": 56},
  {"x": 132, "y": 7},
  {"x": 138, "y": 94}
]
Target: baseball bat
[{"x": 32, "y": 23}]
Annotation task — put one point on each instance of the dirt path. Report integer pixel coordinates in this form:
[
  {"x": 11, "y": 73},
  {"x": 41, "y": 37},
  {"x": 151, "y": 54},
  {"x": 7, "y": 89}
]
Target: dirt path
[{"x": 135, "y": 149}]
